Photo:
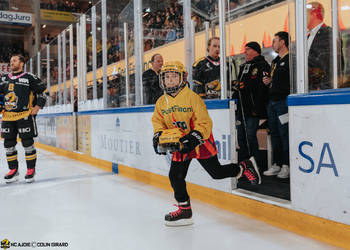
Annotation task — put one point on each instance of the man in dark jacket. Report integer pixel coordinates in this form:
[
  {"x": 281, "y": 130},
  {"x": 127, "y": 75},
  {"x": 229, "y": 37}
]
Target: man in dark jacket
[
  {"x": 253, "y": 98},
  {"x": 279, "y": 84},
  {"x": 150, "y": 79},
  {"x": 319, "y": 39}
]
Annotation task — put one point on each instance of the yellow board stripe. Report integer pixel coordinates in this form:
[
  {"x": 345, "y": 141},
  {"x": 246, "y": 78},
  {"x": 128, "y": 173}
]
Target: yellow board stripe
[{"x": 328, "y": 231}]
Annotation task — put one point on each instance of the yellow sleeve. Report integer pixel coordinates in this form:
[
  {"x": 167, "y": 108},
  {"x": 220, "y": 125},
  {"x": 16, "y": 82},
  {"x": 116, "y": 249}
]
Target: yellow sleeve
[
  {"x": 201, "y": 119},
  {"x": 157, "y": 119}
]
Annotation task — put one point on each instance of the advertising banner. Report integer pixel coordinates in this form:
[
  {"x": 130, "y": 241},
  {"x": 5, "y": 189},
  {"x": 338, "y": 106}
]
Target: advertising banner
[
  {"x": 65, "y": 132},
  {"x": 47, "y": 130},
  {"x": 126, "y": 139},
  {"x": 84, "y": 141},
  {"x": 319, "y": 151},
  {"x": 54, "y": 15},
  {"x": 11, "y": 17},
  {"x": 5, "y": 68}
]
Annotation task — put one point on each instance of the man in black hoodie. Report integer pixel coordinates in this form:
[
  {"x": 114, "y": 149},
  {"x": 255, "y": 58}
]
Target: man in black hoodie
[
  {"x": 279, "y": 89},
  {"x": 253, "y": 98}
]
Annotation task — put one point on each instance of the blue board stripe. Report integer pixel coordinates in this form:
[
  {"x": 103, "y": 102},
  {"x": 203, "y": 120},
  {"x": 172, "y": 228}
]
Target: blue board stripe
[
  {"x": 56, "y": 114},
  {"x": 325, "y": 97},
  {"x": 211, "y": 104}
]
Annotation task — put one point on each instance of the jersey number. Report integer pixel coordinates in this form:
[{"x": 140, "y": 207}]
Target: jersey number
[
  {"x": 11, "y": 87},
  {"x": 181, "y": 125}
]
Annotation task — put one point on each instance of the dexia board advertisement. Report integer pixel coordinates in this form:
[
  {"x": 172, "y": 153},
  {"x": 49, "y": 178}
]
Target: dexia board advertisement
[
  {"x": 319, "y": 150},
  {"x": 126, "y": 138}
]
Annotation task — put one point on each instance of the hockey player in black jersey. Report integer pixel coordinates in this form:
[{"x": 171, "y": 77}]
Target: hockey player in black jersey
[
  {"x": 24, "y": 94},
  {"x": 206, "y": 72}
]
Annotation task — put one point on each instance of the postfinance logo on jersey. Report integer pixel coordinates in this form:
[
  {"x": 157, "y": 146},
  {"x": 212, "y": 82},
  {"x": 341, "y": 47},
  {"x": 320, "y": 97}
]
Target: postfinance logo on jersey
[{"x": 175, "y": 109}]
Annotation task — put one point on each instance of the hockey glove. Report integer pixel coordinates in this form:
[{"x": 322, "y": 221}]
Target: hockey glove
[
  {"x": 156, "y": 142},
  {"x": 190, "y": 141},
  {"x": 236, "y": 86}
]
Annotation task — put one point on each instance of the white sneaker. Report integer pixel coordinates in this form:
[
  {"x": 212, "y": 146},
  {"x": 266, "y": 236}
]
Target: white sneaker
[
  {"x": 284, "y": 173},
  {"x": 273, "y": 170}
]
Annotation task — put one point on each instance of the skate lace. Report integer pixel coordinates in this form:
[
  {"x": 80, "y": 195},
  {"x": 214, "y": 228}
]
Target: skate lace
[
  {"x": 179, "y": 211},
  {"x": 250, "y": 176}
]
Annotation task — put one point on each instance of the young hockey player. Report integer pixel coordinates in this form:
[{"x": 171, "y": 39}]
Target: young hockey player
[{"x": 181, "y": 108}]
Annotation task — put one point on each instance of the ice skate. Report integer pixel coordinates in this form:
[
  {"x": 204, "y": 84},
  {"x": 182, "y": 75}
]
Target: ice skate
[
  {"x": 181, "y": 217},
  {"x": 251, "y": 171},
  {"x": 12, "y": 176},
  {"x": 30, "y": 175}
]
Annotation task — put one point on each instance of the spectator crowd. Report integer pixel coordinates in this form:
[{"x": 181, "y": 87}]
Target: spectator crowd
[
  {"x": 62, "y": 5},
  {"x": 8, "y": 48}
]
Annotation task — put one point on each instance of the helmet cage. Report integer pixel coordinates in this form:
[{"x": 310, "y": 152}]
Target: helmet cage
[{"x": 174, "y": 89}]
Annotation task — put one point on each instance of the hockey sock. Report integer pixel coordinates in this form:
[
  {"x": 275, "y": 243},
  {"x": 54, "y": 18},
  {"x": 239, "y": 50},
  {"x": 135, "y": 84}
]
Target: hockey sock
[
  {"x": 11, "y": 156},
  {"x": 30, "y": 156}
]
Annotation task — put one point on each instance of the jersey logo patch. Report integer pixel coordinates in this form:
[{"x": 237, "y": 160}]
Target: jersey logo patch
[
  {"x": 255, "y": 71},
  {"x": 246, "y": 68},
  {"x": 11, "y": 101}
]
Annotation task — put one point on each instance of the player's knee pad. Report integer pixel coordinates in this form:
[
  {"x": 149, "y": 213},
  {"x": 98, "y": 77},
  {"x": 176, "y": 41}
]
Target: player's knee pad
[
  {"x": 176, "y": 176},
  {"x": 27, "y": 142},
  {"x": 30, "y": 149},
  {"x": 11, "y": 150},
  {"x": 10, "y": 143}
]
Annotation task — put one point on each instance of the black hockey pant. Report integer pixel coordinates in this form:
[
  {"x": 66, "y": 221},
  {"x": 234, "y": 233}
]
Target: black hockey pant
[{"x": 178, "y": 172}]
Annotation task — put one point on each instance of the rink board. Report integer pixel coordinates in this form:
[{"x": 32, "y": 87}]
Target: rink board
[
  {"x": 127, "y": 139},
  {"x": 135, "y": 157},
  {"x": 57, "y": 130},
  {"x": 319, "y": 154}
]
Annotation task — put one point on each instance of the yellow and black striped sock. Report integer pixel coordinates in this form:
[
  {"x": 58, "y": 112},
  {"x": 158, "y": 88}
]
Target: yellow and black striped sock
[
  {"x": 31, "y": 159},
  {"x": 12, "y": 160}
]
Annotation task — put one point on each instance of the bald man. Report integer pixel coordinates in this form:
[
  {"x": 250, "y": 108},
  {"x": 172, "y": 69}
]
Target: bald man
[{"x": 319, "y": 49}]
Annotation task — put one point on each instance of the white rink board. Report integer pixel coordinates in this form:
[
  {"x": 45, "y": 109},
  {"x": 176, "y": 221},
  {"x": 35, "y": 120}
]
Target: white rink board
[
  {"x": 126, "y": 138},
  {"x": 318, "y": 191}
]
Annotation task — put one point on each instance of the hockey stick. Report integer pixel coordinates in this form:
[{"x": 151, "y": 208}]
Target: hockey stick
[{"x": 243, "y": 115}]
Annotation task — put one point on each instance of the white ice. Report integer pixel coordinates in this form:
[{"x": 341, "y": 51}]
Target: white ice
[{"x": 92, "y": 209}]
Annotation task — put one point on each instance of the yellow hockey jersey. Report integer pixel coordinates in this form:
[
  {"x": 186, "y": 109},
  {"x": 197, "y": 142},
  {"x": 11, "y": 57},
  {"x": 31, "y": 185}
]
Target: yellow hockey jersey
[{"x": 186, "y": 111}]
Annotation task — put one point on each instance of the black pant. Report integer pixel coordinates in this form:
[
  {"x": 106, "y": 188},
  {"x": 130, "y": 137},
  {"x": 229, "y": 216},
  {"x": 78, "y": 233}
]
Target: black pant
[
  {"x": 25, "y": 128},
  {"x": 178, "y": 172}
]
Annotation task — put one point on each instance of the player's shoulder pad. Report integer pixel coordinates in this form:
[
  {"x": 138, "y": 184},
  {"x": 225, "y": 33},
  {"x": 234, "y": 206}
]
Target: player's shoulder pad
[
  {"x": 3, "y": 78},
  {"x": 198, "y": 61},
  {"x": 32, "y": 75}
]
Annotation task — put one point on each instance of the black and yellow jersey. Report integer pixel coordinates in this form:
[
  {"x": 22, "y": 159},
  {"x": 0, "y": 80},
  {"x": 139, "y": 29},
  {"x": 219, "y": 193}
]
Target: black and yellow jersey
[
  {"x": 206, "y": 77},
  {"x": 21, "y": 91}
]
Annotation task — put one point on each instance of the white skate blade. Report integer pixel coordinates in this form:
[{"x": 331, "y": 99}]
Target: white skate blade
[
  {"x": 256, "y": 168},
  {"x": 30, "y": 180},
  {"x": 14, "y": 179},
  {"x": 179, "y": 223}
]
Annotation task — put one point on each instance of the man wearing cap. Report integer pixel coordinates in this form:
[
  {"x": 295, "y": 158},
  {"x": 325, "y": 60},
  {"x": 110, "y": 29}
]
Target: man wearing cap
[{"x": 253, "y": 98}]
